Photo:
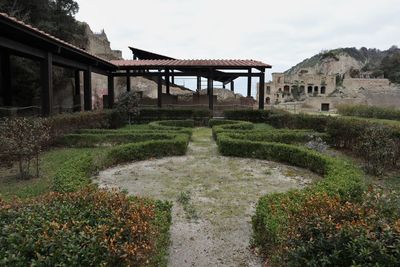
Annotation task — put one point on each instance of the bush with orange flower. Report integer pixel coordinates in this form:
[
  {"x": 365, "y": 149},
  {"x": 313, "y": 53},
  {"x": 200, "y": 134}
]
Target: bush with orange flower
[{"x": 90, "y": 227}]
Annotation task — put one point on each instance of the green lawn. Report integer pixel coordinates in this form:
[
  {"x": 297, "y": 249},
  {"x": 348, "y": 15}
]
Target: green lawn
[
  {"x": 50, "y": 161},
  {"x": 262, "y": 126}
]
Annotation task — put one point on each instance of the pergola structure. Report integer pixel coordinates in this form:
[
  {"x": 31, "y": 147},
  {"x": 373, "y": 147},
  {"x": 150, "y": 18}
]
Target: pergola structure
[
  {"x": 211, "y": 69},
  {"x": 20, "y": 39},
  {"x": 217, "y": 75}
]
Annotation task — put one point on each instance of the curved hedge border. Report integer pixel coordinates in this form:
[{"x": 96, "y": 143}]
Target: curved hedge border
[
  {"x": 172, "y": 124},
  {"x": 149, "y": 149},
  {"x": 107, "y": 139},
  {"x": 75, "y": 173},
  {"x": 275, "y": 135},
  {"x": 133, "y": 145},
  {"x": 270, "y": 219}
]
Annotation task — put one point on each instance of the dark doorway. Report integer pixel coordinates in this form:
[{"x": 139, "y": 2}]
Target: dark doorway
[{"x": 325, "y": 107}]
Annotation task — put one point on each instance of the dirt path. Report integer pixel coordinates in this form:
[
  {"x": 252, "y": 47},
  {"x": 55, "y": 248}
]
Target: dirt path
[{"x": 214, "y": 198}]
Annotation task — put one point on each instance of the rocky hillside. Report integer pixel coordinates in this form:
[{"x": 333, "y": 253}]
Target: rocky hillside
[{"x": 353, "y": 62}]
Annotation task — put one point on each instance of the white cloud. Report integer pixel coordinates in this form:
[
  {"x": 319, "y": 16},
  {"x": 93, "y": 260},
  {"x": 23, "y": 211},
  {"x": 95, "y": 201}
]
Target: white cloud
[{"x": 279, "y": 32}]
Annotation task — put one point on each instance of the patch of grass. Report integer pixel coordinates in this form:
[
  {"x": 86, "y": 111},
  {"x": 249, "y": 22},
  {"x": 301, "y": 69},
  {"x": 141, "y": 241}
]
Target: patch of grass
[
  {"x": 50, "y": 162},
  {"x": 262, "y": 126},
  {"x": 184, "y": 199},
  {"x": 392, "y": 183},
  {"x": 268, "y": 172}
]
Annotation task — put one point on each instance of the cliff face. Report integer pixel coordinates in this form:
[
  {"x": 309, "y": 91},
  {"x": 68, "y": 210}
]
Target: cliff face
[{"x": 355, "y": 63}]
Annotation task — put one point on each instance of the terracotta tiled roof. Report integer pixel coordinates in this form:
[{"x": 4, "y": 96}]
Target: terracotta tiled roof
[
  {"x": 48, "y": 36},
  {"x": 192, "y": 63}
]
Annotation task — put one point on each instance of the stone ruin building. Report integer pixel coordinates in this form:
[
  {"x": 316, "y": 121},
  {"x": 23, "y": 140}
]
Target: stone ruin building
[{"x": 318, "y": 92}]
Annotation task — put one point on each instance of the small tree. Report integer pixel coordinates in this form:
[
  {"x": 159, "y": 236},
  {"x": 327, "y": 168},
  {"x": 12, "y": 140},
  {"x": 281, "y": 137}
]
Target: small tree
[
  {"x": 21, "y": 140},
  {"x": 128, "y": 104},
  {"x": 377, "y": 147}
]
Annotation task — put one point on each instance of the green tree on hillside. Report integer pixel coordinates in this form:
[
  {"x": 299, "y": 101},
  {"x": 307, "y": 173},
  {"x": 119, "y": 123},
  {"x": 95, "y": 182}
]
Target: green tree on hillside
[
  {"x": 391, "y": 67},
  {"x": 53, "y": 16}
]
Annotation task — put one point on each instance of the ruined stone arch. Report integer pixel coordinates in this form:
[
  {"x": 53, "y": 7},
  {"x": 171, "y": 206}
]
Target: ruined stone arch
[
  {"x": 323, "y": 90},
  {"x": 309, "y": 89}
]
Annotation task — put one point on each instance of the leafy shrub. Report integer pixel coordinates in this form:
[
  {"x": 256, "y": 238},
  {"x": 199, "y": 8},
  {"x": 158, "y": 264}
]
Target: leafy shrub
[
  {"x": 128, "y": 104},
  {"x": 377, "y": 147},
  {"x": 85, "y": 228},
  {"x": 247, "y": 115},
  {"x": 69, "y": 123},
  {"x": 369, "y": 112},
  {"x": 328, "y": 231},
  {"x": 21, "y": 140}
]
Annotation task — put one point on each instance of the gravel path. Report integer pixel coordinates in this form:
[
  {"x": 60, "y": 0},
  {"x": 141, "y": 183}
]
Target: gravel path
[{"x": 214, "y": 198}]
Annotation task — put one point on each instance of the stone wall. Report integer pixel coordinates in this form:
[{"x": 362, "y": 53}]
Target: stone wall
[{"x": 356, "y": 83}]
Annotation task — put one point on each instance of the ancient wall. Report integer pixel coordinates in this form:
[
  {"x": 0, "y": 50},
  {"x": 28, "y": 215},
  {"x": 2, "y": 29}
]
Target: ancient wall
[{"x": 356, "y": 83}]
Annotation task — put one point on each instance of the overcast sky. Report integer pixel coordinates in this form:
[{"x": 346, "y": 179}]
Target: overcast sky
[{"x": 280, "y": 32}]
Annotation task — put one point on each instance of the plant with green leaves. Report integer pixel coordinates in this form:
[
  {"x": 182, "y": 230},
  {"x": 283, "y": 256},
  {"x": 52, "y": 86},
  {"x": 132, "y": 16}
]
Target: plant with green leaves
[
  {"x": 378, "y": 148},
  {"x": 128, "y": 104}
]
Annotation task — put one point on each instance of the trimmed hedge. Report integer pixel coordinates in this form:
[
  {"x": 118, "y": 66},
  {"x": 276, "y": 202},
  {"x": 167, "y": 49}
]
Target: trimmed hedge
[
  {"x": 270, "y": 222},
  {"x": 247, "y": 115},
  {"x": 71, "y": 122},
  {"x": 90, "y": 227},
  {"x": 108, "y": 139},
  {"x": 200, "y": 116},
  {"x": 172, "y": 124},
  {"x": 149, "y": 149},
  {"x": 345, "y": 131},
  {"x": 369, "y": 112},
  {"x": 219, "y": 126},
  {"x": 74, "y": 174},
  {"x": 298, "y": 121},
  {"x": 279, "y": 136}
]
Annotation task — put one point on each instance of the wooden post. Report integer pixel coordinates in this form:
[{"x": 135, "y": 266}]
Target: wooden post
[
  {"x": 87, "y": 88},
  {"x": 198, "y": 83},
  {"x": 159, "y": 90},
  {"x": 249, "y": 84},
  {"x": 110, "y": 91},
  {"x": 77, "y": 91},
  {"x": 46, "y": 77},
  {"x": 210, "y": 91},
  {"x": 5, "y": 78},
  {"x": 233, "y": 86},
  {"x": 172, "y": 77},
  {"x": 261, "y": 90},
  {"x": 223, "y": 85},
  {"x": 128, "y": 81},
  {"x": 167, "y": 82}
]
